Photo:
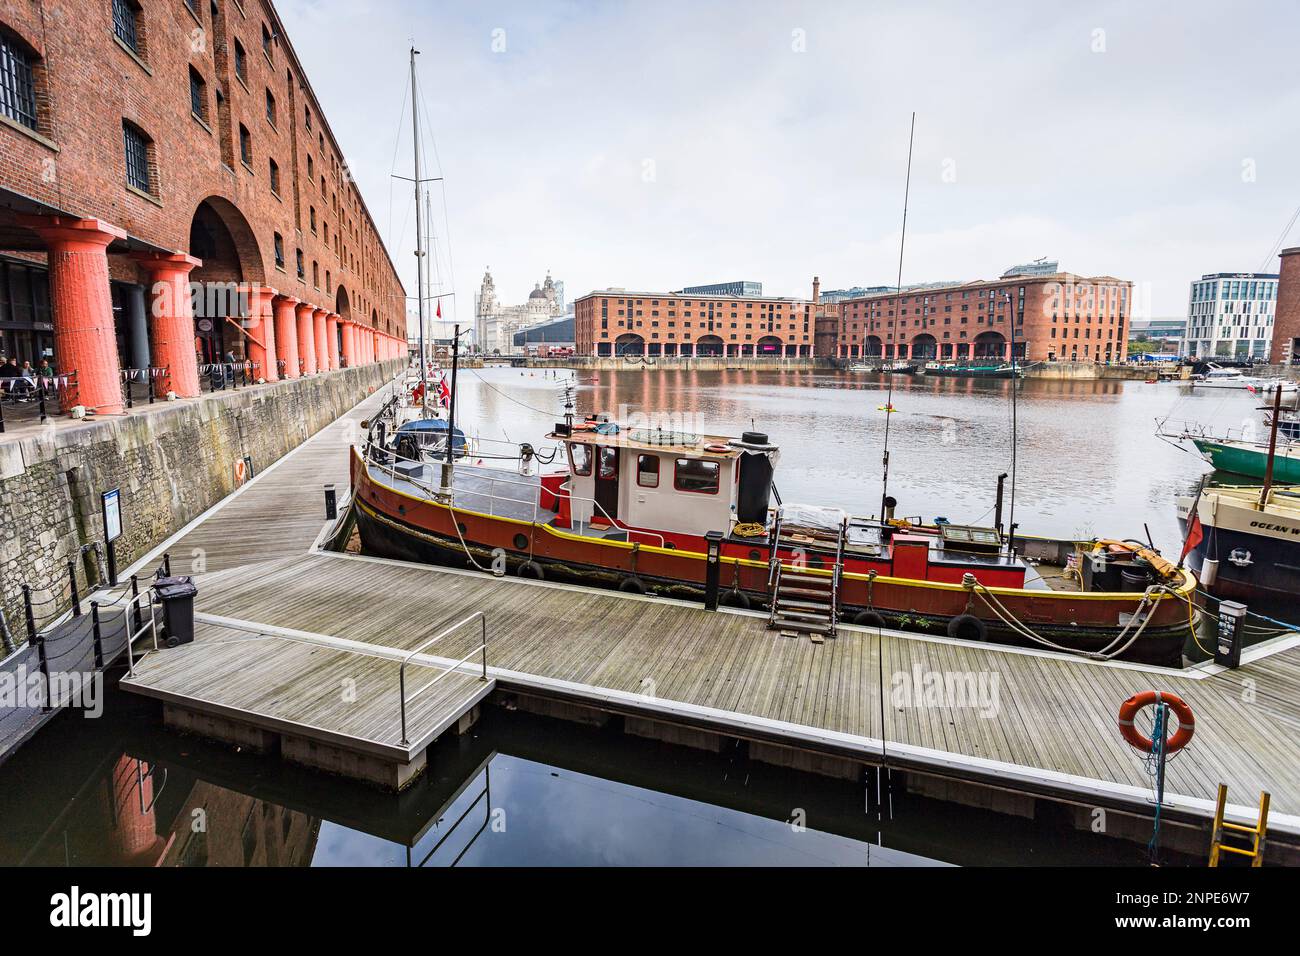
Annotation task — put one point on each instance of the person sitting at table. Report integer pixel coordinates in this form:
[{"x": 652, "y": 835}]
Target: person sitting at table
[{"x": 7, "y": 367}]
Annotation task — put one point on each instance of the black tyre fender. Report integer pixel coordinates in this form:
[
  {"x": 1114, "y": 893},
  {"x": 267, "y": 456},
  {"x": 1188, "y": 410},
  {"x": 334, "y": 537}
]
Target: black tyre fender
[
  {"x": 531, "y": 569},
  {"x": 735, "y": 598},
  {"x": 632, "y": 585},
  {"x": 868, "y": 619},
  {"x": 967, "y": 627}
]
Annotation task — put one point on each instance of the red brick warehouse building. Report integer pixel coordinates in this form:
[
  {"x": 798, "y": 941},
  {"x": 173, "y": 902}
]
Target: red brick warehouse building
[
  {"x": 1057, "y": 317},
  {"x": 617, "y": 322},
  {"x": 147, "y": 144},
  {"x": 1286, "y": 321}
]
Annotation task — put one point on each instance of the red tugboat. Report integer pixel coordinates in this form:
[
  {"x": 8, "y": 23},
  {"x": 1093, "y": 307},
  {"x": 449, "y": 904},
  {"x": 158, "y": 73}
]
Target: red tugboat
[{"x": 638, "y": 510}]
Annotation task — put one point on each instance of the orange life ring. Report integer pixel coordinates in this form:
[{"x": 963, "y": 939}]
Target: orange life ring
[
  {"x": 716, "y": 447},
  {"x": 1129, "y": 709}
]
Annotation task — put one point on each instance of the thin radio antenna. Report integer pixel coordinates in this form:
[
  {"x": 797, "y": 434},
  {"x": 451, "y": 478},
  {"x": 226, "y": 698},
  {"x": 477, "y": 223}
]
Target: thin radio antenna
[{"x": 898, "y": 295}]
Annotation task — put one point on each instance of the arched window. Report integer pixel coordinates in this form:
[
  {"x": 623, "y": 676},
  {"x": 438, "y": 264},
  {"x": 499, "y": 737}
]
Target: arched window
[
  {"x": 198, "y": 95},
  {"x": 126, "y": 25},
  {"x": 17, "y": 81},
  {"x": 137, "y": 147}
]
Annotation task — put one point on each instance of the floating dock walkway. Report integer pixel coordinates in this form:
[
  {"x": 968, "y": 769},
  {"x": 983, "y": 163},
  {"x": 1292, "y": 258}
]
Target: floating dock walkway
[{"x": 305, "y": 646}]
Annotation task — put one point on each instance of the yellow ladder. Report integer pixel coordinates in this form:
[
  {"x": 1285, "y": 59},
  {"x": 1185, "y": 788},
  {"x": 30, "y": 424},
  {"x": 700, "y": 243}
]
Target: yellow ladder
[{"x": 1256, "y": 852}]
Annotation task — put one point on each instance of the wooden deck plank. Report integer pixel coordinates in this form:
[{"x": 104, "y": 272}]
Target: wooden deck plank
[{"x": 1053, "y": 713}]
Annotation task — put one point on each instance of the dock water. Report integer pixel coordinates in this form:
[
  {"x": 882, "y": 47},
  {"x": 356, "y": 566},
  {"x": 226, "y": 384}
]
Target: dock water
[{"x": 297, "y": 649}]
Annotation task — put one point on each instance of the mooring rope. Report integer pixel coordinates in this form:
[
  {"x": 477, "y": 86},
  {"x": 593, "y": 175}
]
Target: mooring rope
[{"x": 971, "y": 583}]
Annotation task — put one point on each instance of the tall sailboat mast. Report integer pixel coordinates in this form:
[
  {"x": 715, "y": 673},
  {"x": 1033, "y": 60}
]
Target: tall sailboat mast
[
  {"x": 419, "y": 240},
  {"x": 898, "y": 295}
]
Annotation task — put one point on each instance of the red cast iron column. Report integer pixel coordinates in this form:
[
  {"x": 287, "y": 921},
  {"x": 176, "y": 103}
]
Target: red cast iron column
[
  {"x": 171, "y": 325},
  {"x": 85, "y": 341}
]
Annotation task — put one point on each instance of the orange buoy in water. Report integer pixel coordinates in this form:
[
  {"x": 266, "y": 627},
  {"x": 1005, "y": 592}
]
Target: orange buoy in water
[{"x": 1129, "y": 709}]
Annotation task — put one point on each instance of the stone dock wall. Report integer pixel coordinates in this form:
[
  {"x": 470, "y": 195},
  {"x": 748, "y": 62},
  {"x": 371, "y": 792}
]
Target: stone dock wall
[{"x": 171, "y": 461}]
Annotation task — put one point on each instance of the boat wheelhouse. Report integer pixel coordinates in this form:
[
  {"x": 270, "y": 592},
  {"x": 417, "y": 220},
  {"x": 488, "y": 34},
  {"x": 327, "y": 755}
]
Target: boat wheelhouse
[{"x": 642, "y": 510}]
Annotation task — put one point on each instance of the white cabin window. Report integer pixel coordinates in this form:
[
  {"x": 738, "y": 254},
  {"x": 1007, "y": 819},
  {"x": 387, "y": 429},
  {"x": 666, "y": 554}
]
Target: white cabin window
[
  {"x": 580, "y": 459},
  {"x": 608, "y": 462},
  {"x": 647, "y": 471},
  {"x": 696, "y": 475}
]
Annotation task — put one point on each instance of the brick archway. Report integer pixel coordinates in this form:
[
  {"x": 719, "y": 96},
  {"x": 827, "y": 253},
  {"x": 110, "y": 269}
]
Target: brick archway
[{"x": 222, "y": 239}]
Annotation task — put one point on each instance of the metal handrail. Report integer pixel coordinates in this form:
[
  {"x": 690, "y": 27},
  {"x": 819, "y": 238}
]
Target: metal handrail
[
  {"x": 559, "y": 493},
  {"x": 401, "y": 672},
  {"x": 151, "y": 625}
]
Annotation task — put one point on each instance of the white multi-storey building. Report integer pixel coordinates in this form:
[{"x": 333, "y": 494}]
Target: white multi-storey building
[
  {"x": 495, "y": 324},
  {"x": 1230, "y": 315}
]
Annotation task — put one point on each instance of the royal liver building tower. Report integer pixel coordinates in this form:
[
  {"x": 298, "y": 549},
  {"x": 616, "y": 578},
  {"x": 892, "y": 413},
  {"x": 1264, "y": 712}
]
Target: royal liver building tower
[{"x": 495, "y": 324}]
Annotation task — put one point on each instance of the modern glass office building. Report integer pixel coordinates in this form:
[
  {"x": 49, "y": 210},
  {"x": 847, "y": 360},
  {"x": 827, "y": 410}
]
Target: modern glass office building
[{"x": 1230, "y": 315}]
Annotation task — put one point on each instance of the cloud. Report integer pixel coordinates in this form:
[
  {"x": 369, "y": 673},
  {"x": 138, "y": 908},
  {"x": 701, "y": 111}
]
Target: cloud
[{"x": 657, "y": 145}]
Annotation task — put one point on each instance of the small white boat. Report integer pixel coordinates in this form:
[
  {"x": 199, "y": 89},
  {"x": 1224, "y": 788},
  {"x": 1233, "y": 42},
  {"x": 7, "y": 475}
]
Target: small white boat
[{"x": 1218, "y": 377}]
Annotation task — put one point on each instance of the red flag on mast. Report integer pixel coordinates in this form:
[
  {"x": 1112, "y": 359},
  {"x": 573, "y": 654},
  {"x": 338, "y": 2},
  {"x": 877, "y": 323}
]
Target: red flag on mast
[{"x": 1195, "y": 533}]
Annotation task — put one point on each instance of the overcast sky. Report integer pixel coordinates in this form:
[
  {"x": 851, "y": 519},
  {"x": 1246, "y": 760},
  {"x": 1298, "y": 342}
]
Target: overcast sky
[{"x": 653, "y": 145}]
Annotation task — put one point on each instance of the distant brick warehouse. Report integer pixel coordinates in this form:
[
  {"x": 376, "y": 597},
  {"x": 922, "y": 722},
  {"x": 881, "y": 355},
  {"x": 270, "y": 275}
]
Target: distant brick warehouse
[
  {"x": 617, "y": 322},
  {"x": 147, "y": 145},
  {"x": 1286, "y": 321},
  {"x": 1058, "y": 317}
]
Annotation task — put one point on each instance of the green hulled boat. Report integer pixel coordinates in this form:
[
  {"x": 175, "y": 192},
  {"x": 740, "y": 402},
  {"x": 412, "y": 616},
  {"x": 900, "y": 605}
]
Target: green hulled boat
[
  {"x": 1251, "y": 458},
  {"x": 976, "y": 371}
]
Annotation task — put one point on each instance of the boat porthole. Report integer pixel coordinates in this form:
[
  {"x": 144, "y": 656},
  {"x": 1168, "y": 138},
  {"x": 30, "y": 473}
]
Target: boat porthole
[
  {"x": 521, "y": 542},
  {"x": 669, "y": 546},
  {"x": 401, "y": 509},
  {"x": 461, "y": 525},
  {"x": 753, "y": 554}
]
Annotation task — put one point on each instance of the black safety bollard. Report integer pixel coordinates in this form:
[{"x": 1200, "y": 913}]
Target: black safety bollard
[
  {"x": 45, "y": 670},
  {"x": 712, "y": 569},
  {"x": 97, "y": 635},
  {"x": 6, "y": 639},
  {"x": 138, "y": 622},
  {"x": 31, "y": 616},
  {"x": 72, "y": 582}
]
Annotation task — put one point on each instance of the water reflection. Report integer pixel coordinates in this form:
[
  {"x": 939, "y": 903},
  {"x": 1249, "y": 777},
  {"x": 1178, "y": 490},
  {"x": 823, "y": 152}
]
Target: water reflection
[
  {"x": 1089, "y": 462},
  {"x": 519, "y": 790}
]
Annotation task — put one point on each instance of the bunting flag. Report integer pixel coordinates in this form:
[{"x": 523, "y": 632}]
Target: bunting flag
[{"x": 1195, "y": 533}]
